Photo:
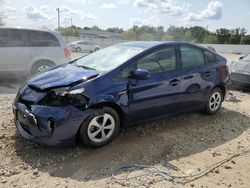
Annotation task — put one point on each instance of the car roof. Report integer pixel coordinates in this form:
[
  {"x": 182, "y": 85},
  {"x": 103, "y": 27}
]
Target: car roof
[
  {"x": 28, "y": 29},
  {"x": 151, "y": 44}
]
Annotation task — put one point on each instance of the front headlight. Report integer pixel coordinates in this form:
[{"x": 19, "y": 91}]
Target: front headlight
[
  {"x": 60, "y": 97},
  {"x": 65, "y": 91},
  {"x": 74, "y": 92}
]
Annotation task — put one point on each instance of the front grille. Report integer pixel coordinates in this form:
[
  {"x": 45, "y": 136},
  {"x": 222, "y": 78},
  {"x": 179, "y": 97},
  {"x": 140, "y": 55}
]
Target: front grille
[{"x": 240, "y": 77}]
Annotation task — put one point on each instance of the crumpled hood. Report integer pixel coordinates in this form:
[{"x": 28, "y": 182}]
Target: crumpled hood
[{"x": 61, "y": 76}]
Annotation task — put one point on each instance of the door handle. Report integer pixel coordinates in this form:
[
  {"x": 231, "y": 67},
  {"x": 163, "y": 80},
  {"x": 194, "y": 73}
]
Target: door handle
[
  {"x": 174, "y": 82},
  {"x": 206, "y": 74}
]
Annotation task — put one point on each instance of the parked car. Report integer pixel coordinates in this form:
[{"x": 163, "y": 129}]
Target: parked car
[
  {"x": 83, "y": 46},
  {"x": 93, "y": 97},
  {"x": 29, "y": 51},
  {"x": 240, "y": 72}
]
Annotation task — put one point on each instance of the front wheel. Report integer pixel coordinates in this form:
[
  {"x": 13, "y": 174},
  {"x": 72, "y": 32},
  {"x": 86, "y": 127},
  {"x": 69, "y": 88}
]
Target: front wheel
[
  {"x": 214, "y": 101},
  {"x": 100, "y": 128}
]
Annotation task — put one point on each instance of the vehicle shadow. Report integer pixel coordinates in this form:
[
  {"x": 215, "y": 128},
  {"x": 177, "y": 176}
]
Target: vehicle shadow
[{"x": 155, "y": 143}]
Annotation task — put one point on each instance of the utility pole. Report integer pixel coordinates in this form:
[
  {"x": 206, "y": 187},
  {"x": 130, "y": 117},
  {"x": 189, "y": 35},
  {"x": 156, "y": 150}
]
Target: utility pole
[
  {"x": 58, "y": 18},
  {"x": 71, "y": 22}
]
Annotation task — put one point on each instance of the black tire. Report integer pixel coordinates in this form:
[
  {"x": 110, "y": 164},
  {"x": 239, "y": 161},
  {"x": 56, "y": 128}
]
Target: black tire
[
  {"x": 96, "y": 49},
  {"x": 208, "y": 109},
  {"x": 36, "y": 67},
  {"x": 78, "y": 49},
  {"x": 86, "y": 140}
]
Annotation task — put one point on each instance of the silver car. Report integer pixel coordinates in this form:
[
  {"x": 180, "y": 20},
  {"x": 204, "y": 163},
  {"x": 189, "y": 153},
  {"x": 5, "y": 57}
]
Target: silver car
[
  {"x": 240, "y": 74},
  {"x": 30, "y": 51},
  {"x": 83, "y": 46}
]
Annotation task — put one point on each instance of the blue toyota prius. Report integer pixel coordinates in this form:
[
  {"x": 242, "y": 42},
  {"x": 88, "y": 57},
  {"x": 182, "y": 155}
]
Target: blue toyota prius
[{"x": 91, "y": 98}]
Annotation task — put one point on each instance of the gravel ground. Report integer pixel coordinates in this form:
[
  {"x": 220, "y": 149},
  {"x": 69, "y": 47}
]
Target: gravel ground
[{"x": 182, "y": 145}]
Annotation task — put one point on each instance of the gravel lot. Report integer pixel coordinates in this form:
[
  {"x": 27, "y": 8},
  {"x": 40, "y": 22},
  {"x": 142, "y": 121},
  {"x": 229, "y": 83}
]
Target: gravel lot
[{"x": 182, "y": 145}]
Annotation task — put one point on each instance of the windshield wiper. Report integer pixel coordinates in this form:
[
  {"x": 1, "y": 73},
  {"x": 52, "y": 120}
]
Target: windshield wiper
[
  {"x": 85, "y": 67},
  {"x": 74, "y": 60}
]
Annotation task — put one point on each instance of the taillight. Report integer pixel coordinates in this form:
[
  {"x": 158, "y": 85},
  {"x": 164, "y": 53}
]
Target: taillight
[{"x": 67, "y": 53}]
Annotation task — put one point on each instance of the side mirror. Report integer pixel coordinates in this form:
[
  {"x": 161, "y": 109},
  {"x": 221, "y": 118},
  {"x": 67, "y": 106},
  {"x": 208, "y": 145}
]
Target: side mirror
[{"x": 140, "y": 74}]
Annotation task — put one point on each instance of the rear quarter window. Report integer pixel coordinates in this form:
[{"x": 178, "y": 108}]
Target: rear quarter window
[
  {"x": 191, "y": 57},
  {"x": 210, "y": 57}
]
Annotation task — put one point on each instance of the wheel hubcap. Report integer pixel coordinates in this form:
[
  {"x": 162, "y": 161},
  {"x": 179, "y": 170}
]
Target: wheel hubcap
[
  {"x": 101, "y": 128},
  {"x": 215, "y": 101},
  {"x": 43, "y": 68}
]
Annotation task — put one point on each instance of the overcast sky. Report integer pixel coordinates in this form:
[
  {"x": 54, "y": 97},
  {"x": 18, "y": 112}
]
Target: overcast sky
[{"x": 125, "y": 13}]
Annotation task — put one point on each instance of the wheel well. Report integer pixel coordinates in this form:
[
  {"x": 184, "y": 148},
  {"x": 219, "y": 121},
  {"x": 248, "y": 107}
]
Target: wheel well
[
  {"x": 101, "y": 105},
  {"x": 223, "y": 89},
  {"x": 111, "y": 105},
  {"x": 40, "y": 62}
]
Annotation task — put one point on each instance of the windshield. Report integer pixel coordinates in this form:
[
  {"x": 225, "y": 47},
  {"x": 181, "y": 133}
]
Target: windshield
[{"x": 108, "y": 58}]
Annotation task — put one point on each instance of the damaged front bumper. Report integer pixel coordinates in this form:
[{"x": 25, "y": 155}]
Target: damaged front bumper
[{"x": 49, "y": 125}]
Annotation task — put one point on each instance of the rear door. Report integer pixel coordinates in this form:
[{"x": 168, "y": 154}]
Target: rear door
[
  {"x": 160, "y": 94},
  {"x": 14, "y": 50},
  {"x": 197, "y": 76}
]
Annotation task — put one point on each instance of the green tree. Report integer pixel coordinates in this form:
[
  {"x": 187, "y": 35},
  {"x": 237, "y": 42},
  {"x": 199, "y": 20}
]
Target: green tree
[
  {"x": 188, "y": 36},
  {"x": 86, "y": 28},
  {"x": 177, "y": 32},
  {"x": 210, "y": 39},
  {"x": 96, "y": 28},
  {"x": 146, "y": 36},
  {"x": 130, "y": 34},
  {"x": 115, "y": 30},
  {"x": 69, "y": 31},
  {"x": 167, "y": 37},
  {"x": 223, "y": 35},
  {"x": 236, "y": 35},
  {"x": 245, "y": 39},
  {"x": 198, "y": 33}
]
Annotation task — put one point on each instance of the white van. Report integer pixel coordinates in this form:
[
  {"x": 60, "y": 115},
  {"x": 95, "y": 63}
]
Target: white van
[{"x": 29, "y": 51}]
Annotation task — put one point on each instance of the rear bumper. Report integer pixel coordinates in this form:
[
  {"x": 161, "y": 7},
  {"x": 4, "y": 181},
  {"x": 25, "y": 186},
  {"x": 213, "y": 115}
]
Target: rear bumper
[{"x": 46, "y": 125}]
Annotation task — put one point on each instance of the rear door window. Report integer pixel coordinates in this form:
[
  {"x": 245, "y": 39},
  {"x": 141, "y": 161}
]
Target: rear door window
[
  {"x": 191, "y": 57},
  {"x": 42, "y": 39}
]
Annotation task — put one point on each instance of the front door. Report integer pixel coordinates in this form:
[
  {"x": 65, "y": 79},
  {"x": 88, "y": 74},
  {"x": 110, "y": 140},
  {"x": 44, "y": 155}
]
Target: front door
[{"x": 160, "y": 94}]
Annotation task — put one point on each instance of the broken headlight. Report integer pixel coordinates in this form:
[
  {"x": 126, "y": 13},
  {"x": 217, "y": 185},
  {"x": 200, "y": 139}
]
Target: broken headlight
[{"x": 61, "y": 97}]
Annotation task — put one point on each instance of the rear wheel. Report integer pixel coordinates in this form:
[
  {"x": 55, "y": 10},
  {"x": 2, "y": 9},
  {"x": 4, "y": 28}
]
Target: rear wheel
[
  {"x": 78, "y": 49},
  {"x": 100, "y": 128},
  {"x": 41, "y": 66},
  {"x": 214, "y": 101}
]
